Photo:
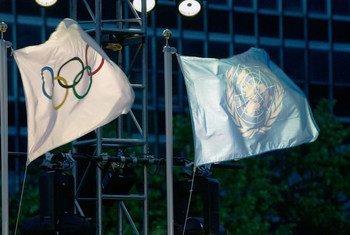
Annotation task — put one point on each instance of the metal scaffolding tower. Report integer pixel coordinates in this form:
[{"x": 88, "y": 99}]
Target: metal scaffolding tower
[{"x": 124, "y": 37}]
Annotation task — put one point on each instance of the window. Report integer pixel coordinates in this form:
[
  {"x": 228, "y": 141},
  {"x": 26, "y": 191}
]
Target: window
[
  {"x": 341, "y": 67},
  {"x": 294, "y": 63},
  {"x": 193, "y": 23},
  {"x": 10, "y": 76},
  {"x": 82, "y": 12},
  {"x": 153, "y": 122},
  {"x": 27, "y": 8},
  {"x": 193, "y": 48},
  {"x": 20, "y": 85},
  {"x": 243, "y": 23},
  {"x": 318, "y": 30},
  {"x": 109, "y": 12},
  {"x": 166, "y": 17},
  {"x": 23, "y": 142},
  {"x": 218, "y": 50},
  {"x": 339, "y": 29},
  {"x": 5, "y": 6},
  {"x": 341, "y": 95},
  {"x": 11, "y": 148},
  {"x": 268, "y": 26},
  {"x": 11, "y": 113},
  {"x": 218, "y": 21},
  {"x": 61, "y": 9},
  {"x": 29, "y": 35},
  {"x": 267, "y": 4},
  {"x": 318, "y": 65},
  {"x": 240, "y": 48},
  {"x": 316, "y": 6},
  {"x": 218, "y": 2},
  {"x": 341, "y": 7},
  {"x": 49, "y": 31},
  {"x": 292, "y": 5},
  {"x": 273, "y": 53},
  {"x": 316, "y": 93},
  {"x": 22, "y": 114},
  {"x": 242, "y": 3},
  {"x": 160, "y": 84},
  {"x": 293, "y": 27}
]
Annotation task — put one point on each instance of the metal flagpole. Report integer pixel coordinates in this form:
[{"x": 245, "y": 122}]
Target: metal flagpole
[
  {"x": 168, "y": 51},
  {"x": 4, "y": 130},
  {"x": 98, "y": 20}
]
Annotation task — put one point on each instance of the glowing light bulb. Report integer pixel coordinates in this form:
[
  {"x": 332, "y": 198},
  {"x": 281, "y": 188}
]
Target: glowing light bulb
[
  {"x": 149, "y": 5},
  {"x": 189, "y": 7}
]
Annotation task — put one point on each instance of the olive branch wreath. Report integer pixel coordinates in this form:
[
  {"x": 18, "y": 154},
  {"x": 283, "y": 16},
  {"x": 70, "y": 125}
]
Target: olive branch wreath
[{"x": 272, "y": 113}]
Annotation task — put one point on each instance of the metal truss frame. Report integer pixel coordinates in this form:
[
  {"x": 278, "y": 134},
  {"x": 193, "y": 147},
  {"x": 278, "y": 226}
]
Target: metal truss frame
[{"x": 130, "y": 27}]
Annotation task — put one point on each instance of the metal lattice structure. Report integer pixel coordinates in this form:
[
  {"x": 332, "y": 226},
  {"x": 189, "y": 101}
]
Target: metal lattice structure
[
  {"x": 305, "y": 37},
  {"x": 125, "y": 37}
]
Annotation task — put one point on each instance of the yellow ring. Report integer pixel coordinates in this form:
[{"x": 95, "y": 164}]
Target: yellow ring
[{"x": 65, "y": 96}]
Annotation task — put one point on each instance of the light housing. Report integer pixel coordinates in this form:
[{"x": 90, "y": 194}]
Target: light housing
[
  {"x": 189, "y": 7},
  {"x": 46, "y": 3},
  {"x": 149, "y": 5}
]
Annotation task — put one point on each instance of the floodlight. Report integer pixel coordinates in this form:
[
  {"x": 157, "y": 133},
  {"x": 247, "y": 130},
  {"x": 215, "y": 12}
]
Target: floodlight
[
  {"x": 46, "y": 3},
  {"x": 149, "y": 5},
  {"x": 189, "y": 7}
]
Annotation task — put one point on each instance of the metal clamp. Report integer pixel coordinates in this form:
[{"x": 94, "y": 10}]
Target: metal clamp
[
  {"x": 104, "y": 157},
  {"x": 122, "y": 161}
]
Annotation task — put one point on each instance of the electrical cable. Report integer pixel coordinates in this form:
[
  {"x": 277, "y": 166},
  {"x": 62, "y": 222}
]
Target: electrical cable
[
  {"x": 157, "y": 168},
  {"x": 20, "y": 200},
  {"x": 189, "y": 199}
]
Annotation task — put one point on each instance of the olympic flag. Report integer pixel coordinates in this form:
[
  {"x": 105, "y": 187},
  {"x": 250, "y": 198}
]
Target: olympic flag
[
  {"x": 71, "y": 88},
  {"x": 243, "y": 106}
]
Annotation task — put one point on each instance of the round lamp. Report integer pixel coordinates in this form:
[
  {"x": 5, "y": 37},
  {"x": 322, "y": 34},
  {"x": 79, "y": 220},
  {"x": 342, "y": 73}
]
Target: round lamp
[
  {"x": 46, "y": 3},
  {"x": 149, "y": 5},
  {"x": 189, "y": 7}
]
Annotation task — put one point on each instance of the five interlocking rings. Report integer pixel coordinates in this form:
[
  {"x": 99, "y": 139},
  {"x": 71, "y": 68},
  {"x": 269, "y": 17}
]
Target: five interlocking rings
[{"x": 63, "y": 81}]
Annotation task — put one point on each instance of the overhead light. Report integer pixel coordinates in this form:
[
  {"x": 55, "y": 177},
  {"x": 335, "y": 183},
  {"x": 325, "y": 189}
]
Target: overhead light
[
  {"x": 149, "y": 5},
  {"x": 189, "y": 7},
  {"x": 46, "y": 3}
]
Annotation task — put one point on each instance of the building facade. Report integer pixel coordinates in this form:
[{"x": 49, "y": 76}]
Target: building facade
[{"x": 308, "y": 39}]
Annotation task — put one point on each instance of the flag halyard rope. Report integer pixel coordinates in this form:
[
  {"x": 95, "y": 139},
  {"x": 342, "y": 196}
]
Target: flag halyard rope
[{"x": 189, "y": 199}]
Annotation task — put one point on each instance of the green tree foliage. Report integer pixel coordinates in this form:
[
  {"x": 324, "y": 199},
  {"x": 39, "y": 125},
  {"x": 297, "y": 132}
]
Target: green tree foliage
[
  {"x": 302, "y": 190},
  {"x": 30, "y": 200}
]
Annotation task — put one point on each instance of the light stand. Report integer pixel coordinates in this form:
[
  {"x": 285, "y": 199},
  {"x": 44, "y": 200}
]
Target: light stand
[{"x": 56, "y": 202}]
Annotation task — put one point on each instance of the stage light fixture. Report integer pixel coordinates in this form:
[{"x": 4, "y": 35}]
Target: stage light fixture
[
  {"x": 189, "y": 7},
  {"x": 46, "y": 3},
  {"x": 149, "y": 5}
]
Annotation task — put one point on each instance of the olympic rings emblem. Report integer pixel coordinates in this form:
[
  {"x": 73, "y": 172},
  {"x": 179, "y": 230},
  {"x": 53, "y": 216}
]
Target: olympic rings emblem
[{"x": 85, "y": 68}]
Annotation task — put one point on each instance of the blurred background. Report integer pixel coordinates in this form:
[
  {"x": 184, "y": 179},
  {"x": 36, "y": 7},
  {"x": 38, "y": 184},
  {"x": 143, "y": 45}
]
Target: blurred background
[{"x": 304, "y": 190}]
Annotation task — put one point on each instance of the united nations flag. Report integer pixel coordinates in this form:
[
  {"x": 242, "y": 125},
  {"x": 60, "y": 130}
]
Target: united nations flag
[
  {"x": 71, "y": 88},
  {"x": 244, "y": 106}
]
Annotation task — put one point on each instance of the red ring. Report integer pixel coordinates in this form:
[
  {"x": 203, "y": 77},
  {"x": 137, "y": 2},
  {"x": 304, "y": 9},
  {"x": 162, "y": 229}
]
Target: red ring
[{"x": 86, "y": 62}]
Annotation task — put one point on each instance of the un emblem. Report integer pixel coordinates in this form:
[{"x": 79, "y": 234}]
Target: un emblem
[{"x": 254, "y": 98}]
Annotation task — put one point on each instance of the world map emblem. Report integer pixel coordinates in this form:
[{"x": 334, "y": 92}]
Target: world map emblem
[{"x": 254, "y": 98}]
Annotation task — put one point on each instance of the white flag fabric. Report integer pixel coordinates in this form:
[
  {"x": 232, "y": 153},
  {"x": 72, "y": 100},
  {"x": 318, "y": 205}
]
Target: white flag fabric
[
  {"x": 243, "y": 106},
  {"x": 71, "y": 88}
]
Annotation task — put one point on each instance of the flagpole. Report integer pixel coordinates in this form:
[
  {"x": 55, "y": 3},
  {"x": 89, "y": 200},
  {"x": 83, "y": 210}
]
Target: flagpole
[
  {"x": 168, "y": 51},
  {"x": 4, "y": 130},
  {"x": 98, "y": 15}
]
